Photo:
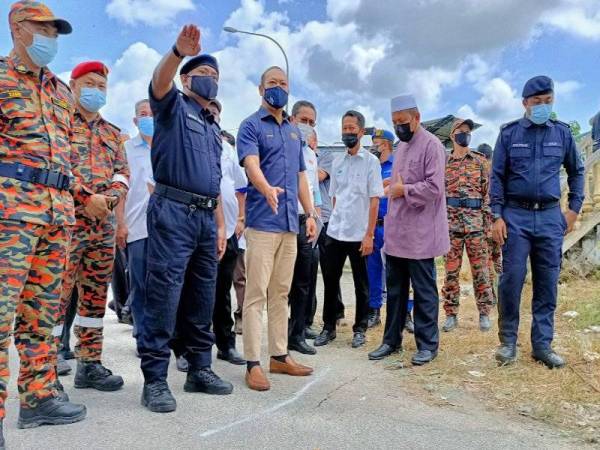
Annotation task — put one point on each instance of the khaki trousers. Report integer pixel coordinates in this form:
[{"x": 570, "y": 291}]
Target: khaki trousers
[{"x": 270, "y": 259}]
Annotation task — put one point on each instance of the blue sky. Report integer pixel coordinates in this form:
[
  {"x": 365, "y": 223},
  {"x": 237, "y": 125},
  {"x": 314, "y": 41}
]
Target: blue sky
[{"x": 471, "y": 58}]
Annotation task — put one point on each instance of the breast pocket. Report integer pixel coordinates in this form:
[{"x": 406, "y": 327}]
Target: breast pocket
[
  {"x": 20, "y": 113},
  {"x": 553, "y": 157},
  {"x": 520, "y": 159},
  {"x": 195, "y": 136}
]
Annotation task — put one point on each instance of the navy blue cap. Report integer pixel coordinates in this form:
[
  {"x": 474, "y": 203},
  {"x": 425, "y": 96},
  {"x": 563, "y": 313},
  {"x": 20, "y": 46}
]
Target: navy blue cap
[
  {"x": 539, "y": 85},
  {"x": 197, "y": 61},
  {"x": 486, "y": 150}
]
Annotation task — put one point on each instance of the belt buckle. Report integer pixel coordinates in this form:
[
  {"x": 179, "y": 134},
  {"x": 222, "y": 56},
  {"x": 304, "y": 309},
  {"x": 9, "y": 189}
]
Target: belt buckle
[{"x": 53, "y": 178}]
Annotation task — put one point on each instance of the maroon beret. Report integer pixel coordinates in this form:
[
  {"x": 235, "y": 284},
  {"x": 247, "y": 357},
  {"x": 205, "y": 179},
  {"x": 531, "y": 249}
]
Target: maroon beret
[{"x": 89, "y": 67}]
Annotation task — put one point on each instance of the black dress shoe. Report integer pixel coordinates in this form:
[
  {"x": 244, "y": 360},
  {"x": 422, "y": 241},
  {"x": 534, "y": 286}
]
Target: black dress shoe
[
  {"x": 301, "y": 347},
  {"x": 359, "y": 339},
  {"x": 383, "y": 351},
  {"x": 231, "y": 356},
  {"x": 182, "y": 364},
  {"x": 549, "y": 357},
  {"x": 423, "y": 357},
  {"x": 324, "y": 338},
  {"x": 374, "y": 318},
  {"x": 205, "y": 380},
  {"x": 94, "y": 375},
  {"x": 506, "y": 354},
  {"x": 409, "y": 325},
  {"x": 157, "y": 397},
  {"x": 309, "y": 333},
  {"x": 51, "y": 411}
]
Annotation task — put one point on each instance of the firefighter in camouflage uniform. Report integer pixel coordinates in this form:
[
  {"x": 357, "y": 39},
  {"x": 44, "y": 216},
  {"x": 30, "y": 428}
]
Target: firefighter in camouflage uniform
[
  {"x": 467, "y": 185},
  {"x": 102, "y": 169},
  {"x": 36, "y": 211}
]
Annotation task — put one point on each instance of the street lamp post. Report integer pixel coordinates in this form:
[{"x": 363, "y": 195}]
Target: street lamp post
[{"x": 287, "y": 66}]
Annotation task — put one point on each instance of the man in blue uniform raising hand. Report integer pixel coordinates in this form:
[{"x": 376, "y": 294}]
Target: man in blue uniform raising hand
[{"x": 528, "y": 221}]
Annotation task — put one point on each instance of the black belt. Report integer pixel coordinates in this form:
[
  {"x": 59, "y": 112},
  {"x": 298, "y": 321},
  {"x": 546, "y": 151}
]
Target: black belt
[
  {"x": 185, "y": 197},
  {"x": 379, "y": 222},
  {"x": 472, "y": 203},
  {"x": 532, "y": 206},
  {"x": 35, "y": 175}
]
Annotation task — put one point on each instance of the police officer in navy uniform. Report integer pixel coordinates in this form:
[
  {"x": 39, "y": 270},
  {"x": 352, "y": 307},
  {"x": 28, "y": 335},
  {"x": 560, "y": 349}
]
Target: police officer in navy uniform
[
  {"x": 186, "y": 228},
  {"x": 528, "y": 221}
]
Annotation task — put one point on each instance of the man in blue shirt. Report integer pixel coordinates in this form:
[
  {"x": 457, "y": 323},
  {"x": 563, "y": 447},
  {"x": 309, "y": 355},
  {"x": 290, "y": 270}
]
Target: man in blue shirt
[
  {"x": 270, "y": 148},
  {"x": 528, "y": 222},
  {"x": 186, "y": 229},
  {"x": 383, "y": 141}
]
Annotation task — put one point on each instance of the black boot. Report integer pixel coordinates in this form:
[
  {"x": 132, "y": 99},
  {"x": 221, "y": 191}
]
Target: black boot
[
  {"x": 157, "y": 397},
  {"x": 51, "y": 411},
  {"x": 95, "y": 375},
  {"x": 62, "y": 395},
  {"x": 374, "y": 318},
  {"x": 62, "y": 367},
  {"x": 205, "y": 380}
]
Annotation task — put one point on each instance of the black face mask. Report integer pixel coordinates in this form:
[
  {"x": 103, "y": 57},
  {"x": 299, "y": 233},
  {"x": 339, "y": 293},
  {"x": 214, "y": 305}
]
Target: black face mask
[
  {"x": 463, "y": 139},
  {"x": 375, "y": 150},
  {"x": 403, "y": 132},
  {"x": 350, "y": 139}
]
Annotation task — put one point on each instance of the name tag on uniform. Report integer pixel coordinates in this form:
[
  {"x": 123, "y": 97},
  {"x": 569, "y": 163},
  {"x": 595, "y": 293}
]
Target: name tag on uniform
[
  {"x": 270, "y": 136},
  {"x": 14, "y": 93},
  {"x": 60, "y": 103},
  {"x": 520, "y": 145},
  {"x": 193, "y": 117},
  {"x": 552, "y": 144},
  {"x": 79, "y": 130}
]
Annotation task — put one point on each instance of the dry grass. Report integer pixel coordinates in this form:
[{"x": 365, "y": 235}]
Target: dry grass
[{"x": 567, "y": 398}]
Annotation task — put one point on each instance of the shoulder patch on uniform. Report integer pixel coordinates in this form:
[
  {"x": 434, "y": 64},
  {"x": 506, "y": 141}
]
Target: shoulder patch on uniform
[
  {"x": 61, "y": 103},
  {"x": 508, "y": 124}
]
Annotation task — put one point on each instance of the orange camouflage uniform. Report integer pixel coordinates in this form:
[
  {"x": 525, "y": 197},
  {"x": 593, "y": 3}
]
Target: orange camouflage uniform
[
  {"x": 467, "y": 178},
  {"x": 102, "y": 169},
  {"x": 36, "y": 112}
]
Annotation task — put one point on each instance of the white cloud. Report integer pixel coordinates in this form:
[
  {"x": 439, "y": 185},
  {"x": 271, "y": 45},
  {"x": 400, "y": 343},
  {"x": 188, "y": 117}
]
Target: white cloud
[
  {"x": 578, "y": 17},
  {"x": 499, "y": 100},
  {"x": 566, "y": 88},
  {"x": 149, "y": 12},
  {"x": 341, "y": 9}
]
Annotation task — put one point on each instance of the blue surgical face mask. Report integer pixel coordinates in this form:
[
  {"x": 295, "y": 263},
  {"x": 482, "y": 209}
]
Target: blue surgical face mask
[
  {"x": 146, "y": 126},
  {"x": 540, "y": 114},
  {"x": 205, "y": 86},
  {"x": 42, "y": 50},
  {"x": 276, "y": 97},
  {"x": 92, "y": 99}
]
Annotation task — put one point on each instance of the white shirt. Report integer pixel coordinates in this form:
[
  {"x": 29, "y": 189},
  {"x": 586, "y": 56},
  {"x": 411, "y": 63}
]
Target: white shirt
[
  {"x": 312, "y": 173},
  {"x": 354, "y": 181},
  {"x": 233, "y": 177},
  {"x": 140, "y": 167}
]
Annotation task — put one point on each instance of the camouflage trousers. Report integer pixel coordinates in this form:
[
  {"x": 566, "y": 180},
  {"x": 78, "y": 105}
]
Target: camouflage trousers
[
  {"x": 32, "y": 262},
  {"x": 476, "y": 246},
  {"x": 89, "y": 269},
  {"x": 494, "y": 265}
]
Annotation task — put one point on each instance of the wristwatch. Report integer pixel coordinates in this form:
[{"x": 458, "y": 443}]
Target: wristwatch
[
  {"x": 312, "y": 215},
  {"x": 176, "y": 52}
]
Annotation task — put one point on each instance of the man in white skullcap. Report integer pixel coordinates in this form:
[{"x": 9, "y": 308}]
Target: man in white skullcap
[{"x": 415, "y": 233}]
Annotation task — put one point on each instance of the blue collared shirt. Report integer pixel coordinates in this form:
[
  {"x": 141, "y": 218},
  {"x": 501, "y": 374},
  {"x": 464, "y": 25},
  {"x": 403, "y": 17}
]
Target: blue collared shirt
[
  {"x": 279, "y": 148},
  {"x": 386, "y": 172},
  {"x": 186, "y": 146},
  {"x": 527, "y": 162}
]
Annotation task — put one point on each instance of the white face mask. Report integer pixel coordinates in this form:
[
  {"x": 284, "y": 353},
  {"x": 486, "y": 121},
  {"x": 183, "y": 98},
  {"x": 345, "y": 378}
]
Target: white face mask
[{"x": 306, "y": 130}]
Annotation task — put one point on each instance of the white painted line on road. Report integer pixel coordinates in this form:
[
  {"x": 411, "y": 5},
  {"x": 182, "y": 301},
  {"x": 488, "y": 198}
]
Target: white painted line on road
[{"x": 270, "y": 410}]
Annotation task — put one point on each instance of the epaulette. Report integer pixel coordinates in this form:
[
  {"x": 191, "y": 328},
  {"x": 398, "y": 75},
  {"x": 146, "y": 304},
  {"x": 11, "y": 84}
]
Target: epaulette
[
  {"x": 115, "y": 128},
  {"x": 560, "y": 122},
  {"x": 508, "y": 124}
]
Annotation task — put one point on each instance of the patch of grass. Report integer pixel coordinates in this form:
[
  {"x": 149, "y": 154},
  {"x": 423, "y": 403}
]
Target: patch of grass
[{"x": 568, "y": 398}]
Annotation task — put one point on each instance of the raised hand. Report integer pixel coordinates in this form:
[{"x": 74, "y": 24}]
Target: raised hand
[{"x": 188, "y": 41}]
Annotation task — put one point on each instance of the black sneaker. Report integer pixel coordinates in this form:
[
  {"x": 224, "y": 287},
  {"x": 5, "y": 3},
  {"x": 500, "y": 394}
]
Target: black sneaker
[
  {"x": 205, "y": 380},
  {"x": 359, "y": 339},
  {"x": 51, "y": 411},
  {"x": 157, "y": 397},
  {"x": 94, "y": 375},
  {"x": 374, "y": 318}
]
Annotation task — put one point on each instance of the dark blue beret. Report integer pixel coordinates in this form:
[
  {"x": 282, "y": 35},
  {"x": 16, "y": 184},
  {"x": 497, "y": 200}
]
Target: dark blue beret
[
  {"x": 485, "y": 150},
  {"x": 200, "y": 60},
  {"x": 538, "y": 86}
]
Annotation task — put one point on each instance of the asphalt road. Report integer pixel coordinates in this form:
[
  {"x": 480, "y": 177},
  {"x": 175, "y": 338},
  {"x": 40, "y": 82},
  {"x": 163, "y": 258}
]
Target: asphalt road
[{"x": 349, "y": 403}]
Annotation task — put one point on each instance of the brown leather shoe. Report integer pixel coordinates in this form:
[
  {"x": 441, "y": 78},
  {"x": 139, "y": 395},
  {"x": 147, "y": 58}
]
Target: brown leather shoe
[
  {"x": 256, "y": 379},
  {"x": 289, "y": 367}
]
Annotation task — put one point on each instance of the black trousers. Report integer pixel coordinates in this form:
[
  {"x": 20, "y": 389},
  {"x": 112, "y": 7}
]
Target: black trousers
[
  {"x": 337, "y": 252},
  {"x": 65, "y": 338},
  {"x": 320, "y": 252},
  {"x": 120, "y": 282},
  {"x": 400, "y": 273},
  {"x": 222, "y": 319},
  {"x": 303, "y": 284}
]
